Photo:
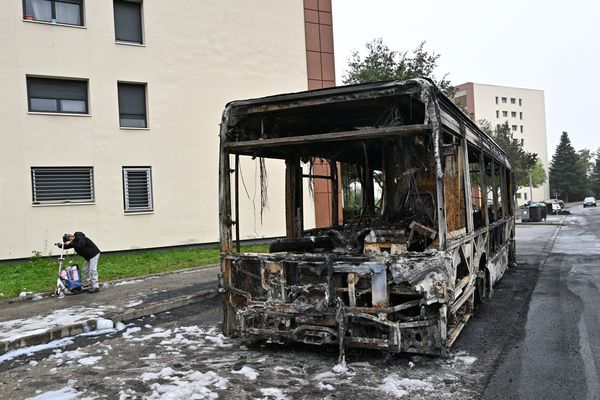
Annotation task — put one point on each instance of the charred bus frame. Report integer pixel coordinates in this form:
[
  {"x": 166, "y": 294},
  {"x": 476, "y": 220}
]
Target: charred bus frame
[{"x": 428, "y": 233}]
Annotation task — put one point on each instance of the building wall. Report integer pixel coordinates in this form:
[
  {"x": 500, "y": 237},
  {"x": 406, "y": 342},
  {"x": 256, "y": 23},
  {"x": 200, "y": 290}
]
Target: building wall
[
  {"x": 530, "y": 115},
  {"x": 197, "y": 56}
]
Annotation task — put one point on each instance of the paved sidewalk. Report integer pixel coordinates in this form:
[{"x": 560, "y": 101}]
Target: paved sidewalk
[{"x": 32, "y": 322}]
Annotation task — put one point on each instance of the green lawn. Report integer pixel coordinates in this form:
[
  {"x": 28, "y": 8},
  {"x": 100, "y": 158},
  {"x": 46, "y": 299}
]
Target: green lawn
[{"x": 39, "y": 274}]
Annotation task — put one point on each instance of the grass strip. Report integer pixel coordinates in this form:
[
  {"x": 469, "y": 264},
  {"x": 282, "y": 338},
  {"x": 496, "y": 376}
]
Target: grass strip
[{"x": 38, "y": 275}]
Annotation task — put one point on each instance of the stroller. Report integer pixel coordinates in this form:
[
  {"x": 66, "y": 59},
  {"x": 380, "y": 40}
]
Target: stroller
[{"x": 69, "y": 279}]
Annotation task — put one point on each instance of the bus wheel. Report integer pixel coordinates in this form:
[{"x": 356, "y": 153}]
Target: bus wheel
[{"x": 481, "y": 287}]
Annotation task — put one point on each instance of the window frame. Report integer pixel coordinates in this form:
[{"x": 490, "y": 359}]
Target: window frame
[
  {"x": 34, "y": 186},
  {"x": 127, "y": 208},
  {"x": 53, "y": 20},
  {"x": 145, "y": 86},
  {"x": 58, "y": 99},
  {"x": 142, "y": 41}
]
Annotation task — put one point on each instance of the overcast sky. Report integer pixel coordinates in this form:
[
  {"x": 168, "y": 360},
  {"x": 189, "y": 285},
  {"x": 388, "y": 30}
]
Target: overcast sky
[{"x": 551, "y": 45}]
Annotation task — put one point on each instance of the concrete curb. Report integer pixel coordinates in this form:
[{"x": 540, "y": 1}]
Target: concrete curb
[
  {"x": 60, "y": 332},
  {"x": 557, "y": 223}
]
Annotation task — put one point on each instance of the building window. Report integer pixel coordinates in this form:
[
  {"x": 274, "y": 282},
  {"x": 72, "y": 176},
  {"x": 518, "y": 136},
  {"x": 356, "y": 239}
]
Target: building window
[
  {"x": 520, "y": 101},
  {"x": 513, "y": 100},
  {"x": 525, "y": 196},
  {"x": 497, "y": 114},
  {"x": 505, "y": 113},
  {"x": 513, "y": 114},
  {"x": 504, "y": 99},
  {"x": 56, "y": 185},
  {"x": 518, "y": 195},
  {"x": 496, "y": 99},
  {"x": 69, "y": 12},
  {"x": 514, "y": 128},
  {"x": 520, "y": 114},
  {"x": 132, "y": 105},
  {"x": 128, "y": 21},
  {"x": 521, "y": 128},
  {"x": 57, "y": 95},
  {"x": 137, "y": 189},
  {"x": 522, "y": 142}
]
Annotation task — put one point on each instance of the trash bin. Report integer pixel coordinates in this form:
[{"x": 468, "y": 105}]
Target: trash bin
[
  {"x": 535, "y": 213},
  {"x": 544, "y": 211},
  {"x": 525, "y": 214}
]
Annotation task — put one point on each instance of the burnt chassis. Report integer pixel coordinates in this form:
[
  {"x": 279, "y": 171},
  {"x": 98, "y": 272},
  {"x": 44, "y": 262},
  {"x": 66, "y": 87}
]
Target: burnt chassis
[{"x": 398, "y": 301}]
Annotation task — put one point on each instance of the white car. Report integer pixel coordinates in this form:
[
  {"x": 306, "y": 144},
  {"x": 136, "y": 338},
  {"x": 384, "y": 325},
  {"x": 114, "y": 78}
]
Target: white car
[{"x": 589, "y": 202}]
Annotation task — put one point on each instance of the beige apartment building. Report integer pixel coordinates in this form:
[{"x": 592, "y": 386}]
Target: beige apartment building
[
  {"x": 110, "y": 114},
  {"x": 524, "y": 110}
]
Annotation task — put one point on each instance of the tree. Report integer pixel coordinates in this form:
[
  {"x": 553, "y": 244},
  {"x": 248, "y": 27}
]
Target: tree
[
  {"x": 383, "y": 64},
  {"x": 567, "y": 172},
  {"x": 595, "y": 176},
  {"x": 521, "y": 161},
  {"x": 538, "y": 174},
  {"x": 586, "y": 164}
]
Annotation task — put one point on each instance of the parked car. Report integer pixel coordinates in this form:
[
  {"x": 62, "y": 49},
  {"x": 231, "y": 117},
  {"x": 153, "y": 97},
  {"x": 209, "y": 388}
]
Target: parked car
[{"x": 589, "y": 202}]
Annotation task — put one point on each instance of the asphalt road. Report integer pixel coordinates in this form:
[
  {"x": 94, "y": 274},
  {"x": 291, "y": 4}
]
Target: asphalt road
[
  {"x": 537, "y": 338},
  {"x": 558, "y": 352}
]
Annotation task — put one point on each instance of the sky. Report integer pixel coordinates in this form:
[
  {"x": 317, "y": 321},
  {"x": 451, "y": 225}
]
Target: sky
[{"x": 552, "y": 46}]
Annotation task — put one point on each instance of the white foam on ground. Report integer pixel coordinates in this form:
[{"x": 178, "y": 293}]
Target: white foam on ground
[
  {"x": 66, "y": 393},
  {"x": 134, "y": 303},
  {"x": 132, "y": 282},
  {"x": 464, "y": 358},
  {"x": 248, "y": 372},
  {"x": 71, "y": 355},
  {"x": 151, "y": 356},
  {"x": 34, "y": 349},
  {"x": 103, "y": 323},
  {"x": 89, "y": 360},
  {"x": 274, "y": 393},
  {"x": 17, "y": 328},
  {"x": 37, "y": 297},
  {"x": 400, "y": 387},
  {"x": 159, "y": 334},
  {"x": 164, "y": 373},
  {"x": 325, "y": 386},
  {"x": 325, "y": 376},
  {"x": 128, "y": 333},
  {"x": 191, "y": 385},
  {"x": 219, "y": 340}
]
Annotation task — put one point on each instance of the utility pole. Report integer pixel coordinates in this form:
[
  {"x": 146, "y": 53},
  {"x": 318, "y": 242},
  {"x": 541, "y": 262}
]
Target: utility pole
[{"x": 530, "y": 186}]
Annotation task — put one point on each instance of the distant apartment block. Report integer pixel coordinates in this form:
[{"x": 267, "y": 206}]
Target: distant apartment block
[
  {"x": 523, "y": 110},
  {"x": 110, "y": 114}
]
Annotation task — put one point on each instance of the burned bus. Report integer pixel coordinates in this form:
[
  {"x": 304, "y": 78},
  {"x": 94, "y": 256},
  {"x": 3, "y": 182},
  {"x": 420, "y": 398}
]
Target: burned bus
[{"x": 422, "y": 218}]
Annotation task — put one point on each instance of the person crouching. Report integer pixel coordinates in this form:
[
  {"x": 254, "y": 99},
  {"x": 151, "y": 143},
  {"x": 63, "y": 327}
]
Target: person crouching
[{"x": 90, "y": 253}]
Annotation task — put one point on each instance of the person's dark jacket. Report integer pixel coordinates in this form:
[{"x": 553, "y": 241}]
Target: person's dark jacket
[{"x": 83, "y": 246}]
